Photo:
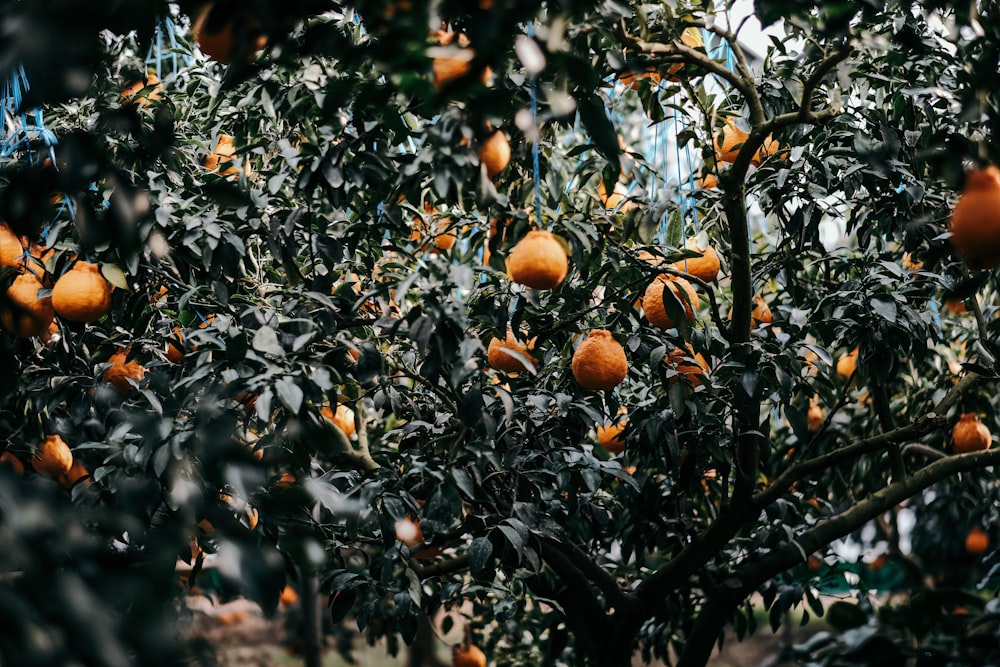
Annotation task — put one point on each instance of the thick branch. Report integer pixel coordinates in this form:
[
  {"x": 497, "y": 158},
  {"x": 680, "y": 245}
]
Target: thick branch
[
  {"x": 589, "y": 568},
  {"x": 932, "y": 421},
  {"x": 581, "y": 597},
  {"x": 450, "y": 566},
  {"x": 719, "y": 608}
]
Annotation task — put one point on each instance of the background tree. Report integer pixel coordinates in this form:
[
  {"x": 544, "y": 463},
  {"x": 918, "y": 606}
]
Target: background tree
[{"x": 310, "y": 248}]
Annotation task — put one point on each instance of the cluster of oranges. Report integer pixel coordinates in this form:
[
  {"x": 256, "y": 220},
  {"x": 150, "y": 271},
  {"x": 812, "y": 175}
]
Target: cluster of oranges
[{"x": 52, "y": 458}]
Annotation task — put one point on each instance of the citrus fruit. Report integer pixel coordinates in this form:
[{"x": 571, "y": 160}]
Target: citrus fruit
[
  {"x": 705, "y": 267},
  {"x": 216, "y": 35},
  {"x": 8, "y": 459},
  {"x": 599, "y": 361},
  {"x": 131, "y": 92},
  {"x": 343, "y": 419},
  {"x": 494, "y": 153},
  {"x": 11, "y": 247},
  {"x": 538, "y": 261},
  {"x": 815, "y": 416},
  {"x": 977, "y": 541},
  {"x": 610, "y": 437},
  {"x": 975, "y": 219},
  {"x": 223, "y": 152},
  {"x": 122, "y": 371},
  {"x": 970, "y": 435},
  {"x": 82, "y": 294},
  {"x": 25, "y": 314},
  {"x": 53, "y": 457},
  {"x": 847, "y": 364},
  {"x": 690, "y": 365},
  {"x": 467, "y": 656},
  {"x": 510, "y": 355},
  {"x": 653, "y": 300},
  {"x": 690, "y": 37}
]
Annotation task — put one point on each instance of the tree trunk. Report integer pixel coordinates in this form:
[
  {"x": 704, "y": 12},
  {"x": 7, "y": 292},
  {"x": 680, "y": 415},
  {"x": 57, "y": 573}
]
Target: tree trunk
[
  {"x": 312, "y": 623},
  {"x": 422, "y": 652}
]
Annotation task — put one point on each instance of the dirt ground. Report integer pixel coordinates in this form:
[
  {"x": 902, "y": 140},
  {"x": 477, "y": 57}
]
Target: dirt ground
[{"x": 243, "y": 637}]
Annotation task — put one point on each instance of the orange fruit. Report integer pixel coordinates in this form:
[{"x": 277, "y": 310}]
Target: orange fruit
[
  {"x": 467, "y": 656},
  {"x": 82, "y": 294},
  {"x": 8, "y": 459},
  {"x": 599, "y": 362},
  {"x": 499, "y": 356},
  {"x": 761, "y": 313},
  {"x": 730, "y": 139},
  {"x": 631, "y": 78},
  {"x": 444, "y": 236},
  {"x": 223, "y": 152},
  {"x": 910, "y": 264},
  {"x": 653, "y": 300},
  {"x": 690, "y": 365},
  {"x": 408, "y": 532},
  {"x": 690, "y": 37},
  {"x": 174, "y": 350},
  {"x": 288, "y": 597},
  {"x": 538, "y": 261},
  {"x": 76, "y": 473},
  {"x": 130, "y": 94},
  {"x": 343, "y": 419},
  {"x": 494, "y": 153},
  {"x": 25, "y": 314},
  {"x": 815, "y": 416},
  {"x": 956, "y": 306},
  {"x": 847, "y": 364},
  {"x": 216, "y": 36},
  {"x": 707, "y": 182},
  {"x": 617, "y": 199},
  {"x": 610, "y": 437},
  {"x": 970, "y": 435},
  {"x": 11, "y": 247},
  {"x": 449, "y": 69},
  {"x": 122, "y": 371},
  {"x": 705, "y": 267},
  {"x": 977, "y": 541},
  {"x": 975, "y": 219},
  {"x": 53, "y": 457}
]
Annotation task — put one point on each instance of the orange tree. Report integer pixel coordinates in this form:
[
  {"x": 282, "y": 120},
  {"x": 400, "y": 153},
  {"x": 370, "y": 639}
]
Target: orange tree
[{"x": 316, "y": 369}]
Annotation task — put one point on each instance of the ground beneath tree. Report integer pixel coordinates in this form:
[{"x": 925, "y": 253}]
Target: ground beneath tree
[{"x": 243, "y": 637}]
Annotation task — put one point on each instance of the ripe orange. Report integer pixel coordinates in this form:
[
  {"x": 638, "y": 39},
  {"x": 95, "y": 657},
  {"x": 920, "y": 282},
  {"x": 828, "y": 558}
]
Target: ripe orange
[
  {"x": 977, "y": 541},
  {"x": 25, "y": 314},
  {"x": 815, "y": 416},
  {"x": 538, "y": 261},
  {"x": 53, "y": 457},
  {"x": 444, "y": 235},
  {"x": 761, "y": 313},
  {"x": 847, "y": 364},
  {"x": 599, "y": 362},
  {"x": 494, "y": 153},
  {"x": 690, "y": 365},
  {"x": 617, "y": 199},
  {"x": 467, "y": 656},
  {"x": 8, "y": 459},
  {"x": 82, "y": 294},
  {"x": 631, "y": 78},
  {"x": 288, "y": 597},
  {"x": 76, "y": 473},
  {"x": 224, "y": 152},
  {"x": 610, "y": 437},
  {"x": 730, "y": 139},
  {"x": 343, "y": 419},
  {"x": 970, "y": 435},
  {"x": 11, "y": 247},
  {"x": 122, "y": 372},
  {"x": 690, "y": 37},
  {"x": 499, "y": 356},
  {"x": 975, "y": 219},
  {"x": 130, "y": 94},
  {"x": 653, "y": 300},
  {"x": 219, "y": 44},
  {"x": 705, "y": 267},
  {"x": 174, "y": 350},
  {"x": 707, "y": 182},
  {"x": 956, "y": 306},
  {"x": 910, "y": 264}
]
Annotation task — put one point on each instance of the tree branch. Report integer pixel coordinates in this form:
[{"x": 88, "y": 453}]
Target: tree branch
[
  {"x": 718, "y": 609},
  {"x": 588, "y": 567},
  {"x": 450, "y": 566},
  {"x": 578, "y": 587}
]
